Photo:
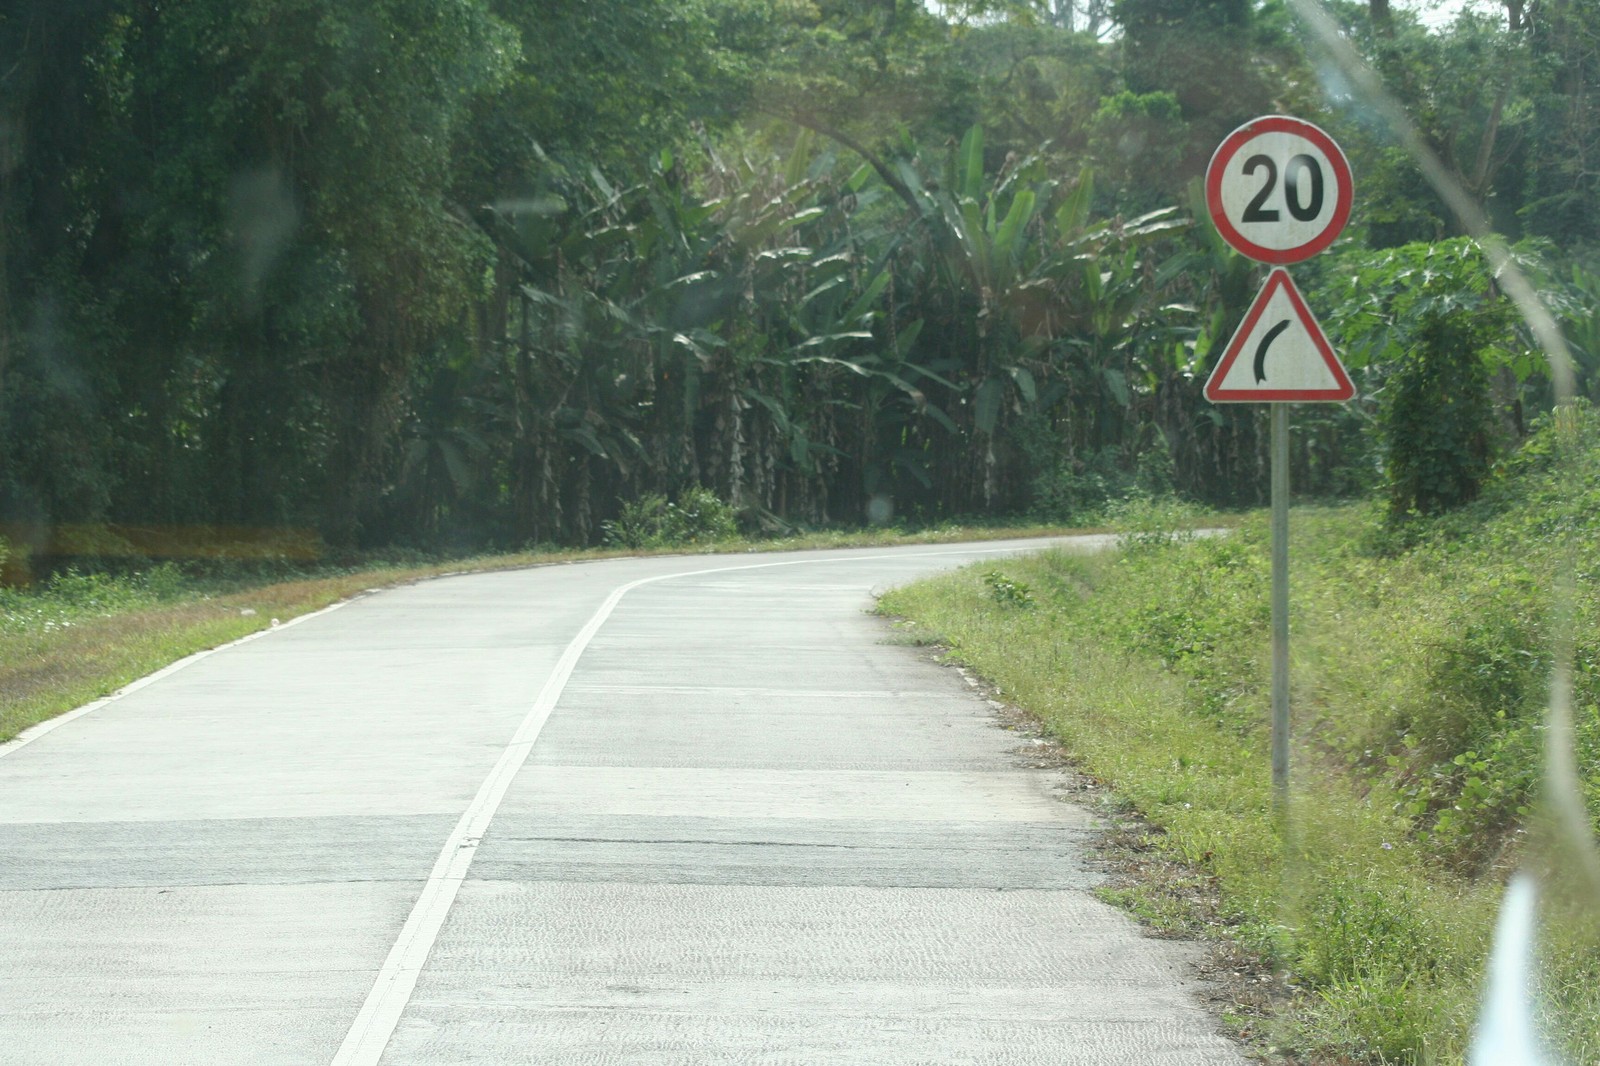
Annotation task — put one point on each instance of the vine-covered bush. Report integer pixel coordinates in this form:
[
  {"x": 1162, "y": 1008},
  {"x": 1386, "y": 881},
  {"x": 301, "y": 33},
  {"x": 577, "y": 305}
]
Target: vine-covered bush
[
  {"x": 1428, "y": 330},
  {"x": 1438, "y": 419},
  {"x": 697, "y": 516}
]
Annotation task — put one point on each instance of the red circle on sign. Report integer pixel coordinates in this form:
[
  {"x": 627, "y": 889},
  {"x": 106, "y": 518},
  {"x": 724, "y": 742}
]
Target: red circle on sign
[{"x": 1234, "y": 144}]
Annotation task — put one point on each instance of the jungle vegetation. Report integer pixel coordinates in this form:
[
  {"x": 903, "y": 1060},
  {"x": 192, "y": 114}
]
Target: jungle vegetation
[{"x": 477, "y": 274}]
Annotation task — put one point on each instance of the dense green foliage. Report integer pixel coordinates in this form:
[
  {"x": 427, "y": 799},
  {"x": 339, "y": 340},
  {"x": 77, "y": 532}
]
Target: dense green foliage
[
  {"x": 481, "y": 272},
  {"x": 1422, "y": 669},
  {"x": 1426, "y": 323},
  {"x": 653, "y": 521}
]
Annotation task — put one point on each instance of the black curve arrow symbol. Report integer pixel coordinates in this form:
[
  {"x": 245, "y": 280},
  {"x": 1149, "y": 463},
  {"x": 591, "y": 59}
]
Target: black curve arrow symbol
[{"x": 1261, "y": 349}]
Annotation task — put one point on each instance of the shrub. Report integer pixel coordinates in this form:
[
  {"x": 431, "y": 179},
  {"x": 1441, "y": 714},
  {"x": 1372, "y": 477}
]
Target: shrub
[
  {"x": 700, "y": 517},
  {"x": 1438, "y": 418},
  {"x": 1145, "y": 523},
  {"x": 1008, "y": 591},
  {"x": 1425, "y": 325},
  {"x": 15, "y": 563},
  {"x": 1366, "y": 927},
  {"x": 653, "y": 521}
]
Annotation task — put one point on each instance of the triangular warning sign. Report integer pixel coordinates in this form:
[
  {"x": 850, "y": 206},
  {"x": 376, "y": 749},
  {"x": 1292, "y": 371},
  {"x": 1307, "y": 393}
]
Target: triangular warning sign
[{"x": 1279, "y": 354}]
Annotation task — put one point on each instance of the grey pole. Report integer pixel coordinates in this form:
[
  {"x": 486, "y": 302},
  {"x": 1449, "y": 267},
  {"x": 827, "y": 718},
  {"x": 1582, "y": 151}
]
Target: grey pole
[{"x": 1280, "y": 608}]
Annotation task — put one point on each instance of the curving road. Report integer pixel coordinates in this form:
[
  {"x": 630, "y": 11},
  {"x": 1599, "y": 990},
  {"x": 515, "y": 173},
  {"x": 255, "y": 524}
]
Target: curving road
[{"x": 672, "y": 811}]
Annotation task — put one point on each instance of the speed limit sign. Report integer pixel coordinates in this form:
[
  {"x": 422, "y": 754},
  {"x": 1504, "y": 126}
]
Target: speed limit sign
[{"x": 1279, "y": 189}]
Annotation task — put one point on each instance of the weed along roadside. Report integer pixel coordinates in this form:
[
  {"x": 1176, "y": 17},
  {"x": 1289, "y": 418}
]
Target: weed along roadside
[{"x": 1421, "y": 664}]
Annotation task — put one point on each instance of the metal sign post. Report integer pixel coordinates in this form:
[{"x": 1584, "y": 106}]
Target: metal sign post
[
  {"x": 1279, "y": 191},
  {"x": 1280, "y": 607}
]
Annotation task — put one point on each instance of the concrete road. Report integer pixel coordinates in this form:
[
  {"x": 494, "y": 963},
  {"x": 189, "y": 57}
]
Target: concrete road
[{"x": 661, "y": 811}]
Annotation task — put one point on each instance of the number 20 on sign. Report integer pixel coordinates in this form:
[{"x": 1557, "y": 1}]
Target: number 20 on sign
[{"x": 1279, "y": 189}]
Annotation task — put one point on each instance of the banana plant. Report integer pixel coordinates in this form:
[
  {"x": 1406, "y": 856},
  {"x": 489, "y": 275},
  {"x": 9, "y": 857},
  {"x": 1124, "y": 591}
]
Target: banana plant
[
  {"x": 786, "y": 332},
  {"x": 1053, "y": 306}
]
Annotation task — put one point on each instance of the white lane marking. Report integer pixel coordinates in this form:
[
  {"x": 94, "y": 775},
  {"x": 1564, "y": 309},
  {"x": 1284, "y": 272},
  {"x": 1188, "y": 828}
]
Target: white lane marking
[
  {"x": 380, "y": 1014},
  {"x": 28, "y": 736},
  {"x": 33, "y": 733}
]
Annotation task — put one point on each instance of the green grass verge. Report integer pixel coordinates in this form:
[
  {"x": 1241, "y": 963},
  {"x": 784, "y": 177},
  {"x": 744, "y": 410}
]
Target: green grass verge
[
  {"x": 1420, "y": 663},
  {"x": 85, "y": 635}
]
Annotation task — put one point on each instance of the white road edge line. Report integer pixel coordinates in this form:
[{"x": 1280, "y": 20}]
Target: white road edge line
[
  {"x": 33, "y": 733},
  {"x": 380, "y": 1014}
]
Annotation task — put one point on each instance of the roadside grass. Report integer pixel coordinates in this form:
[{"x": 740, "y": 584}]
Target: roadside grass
[
  {"x": 1421, "y": 660},
  {"x": 1138, "y": 728},
  {"x": 83, "y": 635}
]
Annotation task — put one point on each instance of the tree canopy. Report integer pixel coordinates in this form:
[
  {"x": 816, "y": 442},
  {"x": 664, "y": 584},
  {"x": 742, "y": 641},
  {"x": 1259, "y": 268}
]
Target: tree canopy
[{"x": 462, "y": 273}]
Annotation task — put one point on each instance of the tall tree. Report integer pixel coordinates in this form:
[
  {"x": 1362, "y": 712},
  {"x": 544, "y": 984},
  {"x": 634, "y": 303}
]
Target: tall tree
[
  {"x": 227, "y": 203},
  {"x": 1204, "y": 52}
]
